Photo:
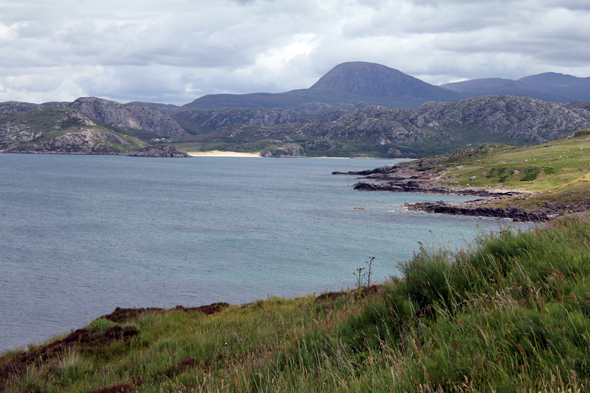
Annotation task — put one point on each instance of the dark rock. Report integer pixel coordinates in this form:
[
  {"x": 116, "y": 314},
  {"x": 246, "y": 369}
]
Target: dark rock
[{"x": 158, "y": 151}]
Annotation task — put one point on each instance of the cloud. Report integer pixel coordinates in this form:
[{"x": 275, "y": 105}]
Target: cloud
[{"x": 177, "y": 50}]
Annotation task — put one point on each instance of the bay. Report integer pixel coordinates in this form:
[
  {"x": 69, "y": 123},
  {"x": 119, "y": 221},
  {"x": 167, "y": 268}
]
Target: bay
[{"x": 82, "y": 235}]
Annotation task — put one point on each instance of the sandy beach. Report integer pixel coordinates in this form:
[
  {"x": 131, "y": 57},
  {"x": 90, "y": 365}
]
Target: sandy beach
[{"x": 218, "y": 153}]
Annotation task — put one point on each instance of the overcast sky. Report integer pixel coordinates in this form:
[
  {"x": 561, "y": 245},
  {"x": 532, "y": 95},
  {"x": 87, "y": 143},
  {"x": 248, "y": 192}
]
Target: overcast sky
[{"x": 174, "y": 51}]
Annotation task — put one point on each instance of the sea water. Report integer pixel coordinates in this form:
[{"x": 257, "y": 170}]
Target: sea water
[{"x": 82, "y": 235}]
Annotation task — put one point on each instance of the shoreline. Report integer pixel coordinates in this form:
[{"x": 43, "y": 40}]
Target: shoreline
[
  {"x": 402, "y": 179},
  {"x": 219, "y": 153}
]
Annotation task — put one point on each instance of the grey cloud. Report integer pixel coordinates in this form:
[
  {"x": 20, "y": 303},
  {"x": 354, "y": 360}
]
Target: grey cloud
[{"x": 177, "y": 50}]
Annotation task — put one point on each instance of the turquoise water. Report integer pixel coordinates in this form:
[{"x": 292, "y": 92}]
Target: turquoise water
[{"x": 82, "y": 235}]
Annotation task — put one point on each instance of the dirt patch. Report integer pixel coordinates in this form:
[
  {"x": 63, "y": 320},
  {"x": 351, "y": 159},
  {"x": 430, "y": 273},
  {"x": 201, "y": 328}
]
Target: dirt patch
[
  {"x": 210, "y": 309},
  {"x": 330, "y": 296},
  {"x": 364, "y": 292},
  {"x": 372, "y": 290},
  {"x": 122, "y": 388},
  {"x": 17, "y": 365},
  {"x": 123, "y": 315}
]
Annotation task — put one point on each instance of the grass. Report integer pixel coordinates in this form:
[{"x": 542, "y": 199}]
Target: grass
[
  {"x": 536, "y": 168},
  {"x": 509, "y": 313},
  {"x": 557, "y": 171}
]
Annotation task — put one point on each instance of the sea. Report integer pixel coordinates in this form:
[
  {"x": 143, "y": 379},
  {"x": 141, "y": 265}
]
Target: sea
[{"x": 81, "y": 235}]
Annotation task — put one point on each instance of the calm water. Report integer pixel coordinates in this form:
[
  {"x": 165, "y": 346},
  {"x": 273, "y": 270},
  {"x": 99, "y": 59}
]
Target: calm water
[{"x": 82, "y": 235}]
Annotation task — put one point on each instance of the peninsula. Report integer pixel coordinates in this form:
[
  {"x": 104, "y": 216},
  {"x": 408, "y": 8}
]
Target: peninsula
[{"x": 533, "y": 183}]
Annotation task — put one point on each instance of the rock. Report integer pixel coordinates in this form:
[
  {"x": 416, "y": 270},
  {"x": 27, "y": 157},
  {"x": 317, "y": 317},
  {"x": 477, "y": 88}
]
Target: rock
[
  {"x": 78, "y": 142},
  {"x": 479, "y": 208},
  {"x": 128, "y": 116},
  {"x": 158, "y": 151}
]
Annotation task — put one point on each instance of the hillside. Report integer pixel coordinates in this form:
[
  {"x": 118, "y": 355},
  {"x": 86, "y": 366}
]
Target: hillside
[
  {"x": 345, "y": 131},
  {"x": 533, "y": 183},
  {"x": 549, "y": 86},
  {"x": 356, "y": 109},
  {"x": 58, "y": 129},
  {"x": 130, "y": 116},
  {"x": 506, "y": 314}
]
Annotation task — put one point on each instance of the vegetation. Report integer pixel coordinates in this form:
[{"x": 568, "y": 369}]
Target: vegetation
[
  {"x": 57, "y": 128},
  {"x": 509, "y": 313},
  {"x": 559, "y": 171}
]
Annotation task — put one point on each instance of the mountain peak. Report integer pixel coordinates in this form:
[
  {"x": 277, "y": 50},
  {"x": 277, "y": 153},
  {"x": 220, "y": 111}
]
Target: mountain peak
[{"x": 376, "y": 80}]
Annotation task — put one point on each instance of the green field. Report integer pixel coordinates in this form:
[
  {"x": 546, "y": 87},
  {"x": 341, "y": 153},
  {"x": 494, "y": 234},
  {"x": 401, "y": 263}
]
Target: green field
[{"x": 557, "y": 171}]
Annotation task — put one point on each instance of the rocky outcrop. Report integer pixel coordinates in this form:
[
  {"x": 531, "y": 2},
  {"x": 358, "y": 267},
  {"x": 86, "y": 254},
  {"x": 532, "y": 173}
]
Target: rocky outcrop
[
  {"x": 480, "y": 209},
  {"x": 59, "y": 129},
  {"x": 396, "y": 178},
  {"x": 401, "y": 132},
  {"x": 79, "y": 142},
  {"x": 128, "y": 116},
  {"x": 158, "y": 151},
  {"x": 512, "y": 117},
  {"x": 14, "y": 107},
  {"x": 287, "y": 150}
]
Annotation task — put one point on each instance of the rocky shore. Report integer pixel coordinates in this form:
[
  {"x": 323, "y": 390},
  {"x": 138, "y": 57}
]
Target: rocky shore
[{"x": 396, "y": 178}]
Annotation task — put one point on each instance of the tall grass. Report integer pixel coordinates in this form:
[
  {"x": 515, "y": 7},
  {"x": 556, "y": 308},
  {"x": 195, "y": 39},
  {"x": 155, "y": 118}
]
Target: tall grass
[{"x": 510, "y": 313}]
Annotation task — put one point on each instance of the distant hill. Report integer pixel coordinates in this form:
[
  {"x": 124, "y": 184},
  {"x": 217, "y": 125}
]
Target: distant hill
[
  {"x": 550, "y": 87},
  {"x": 356, "y": 109},
  {"x": 375, "y": 80},
  {"x": 347, "y": 82},
  {"x": 130, "y": 116},
  {"x": 30, "y": 128},
  {"x": 554, "y": 83},
  {"x": 435, "y": 128}
]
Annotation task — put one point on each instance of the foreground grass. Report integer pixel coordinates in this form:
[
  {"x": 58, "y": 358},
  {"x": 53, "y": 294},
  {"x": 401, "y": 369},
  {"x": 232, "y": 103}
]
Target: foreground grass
[{"x": 508, "y": 314}]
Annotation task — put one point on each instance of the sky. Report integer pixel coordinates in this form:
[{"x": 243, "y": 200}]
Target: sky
[{"x": 174, "y": 51}]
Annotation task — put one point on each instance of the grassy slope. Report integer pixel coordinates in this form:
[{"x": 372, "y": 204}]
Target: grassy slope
[
  {"x": 559, "y": 169},
  {"x": 508, "y": 314}
]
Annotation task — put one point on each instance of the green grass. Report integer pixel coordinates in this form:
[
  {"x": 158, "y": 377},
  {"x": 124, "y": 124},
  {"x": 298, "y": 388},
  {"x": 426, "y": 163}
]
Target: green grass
[
  {"x": 509, "y": 313},
  {"x": 556, "y": 170},
  {"x": 541, "y": 167}
]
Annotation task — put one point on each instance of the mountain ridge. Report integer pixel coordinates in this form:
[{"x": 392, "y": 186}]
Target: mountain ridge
[
  {"x": 351, "y": 81},
  {"x": 548, "y": 86},
  {"x": 357, "y": 108}
]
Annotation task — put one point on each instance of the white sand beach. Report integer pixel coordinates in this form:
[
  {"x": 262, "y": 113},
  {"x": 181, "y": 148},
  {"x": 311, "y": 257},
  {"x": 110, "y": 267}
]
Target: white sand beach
[{"x": 218, "y": 153}]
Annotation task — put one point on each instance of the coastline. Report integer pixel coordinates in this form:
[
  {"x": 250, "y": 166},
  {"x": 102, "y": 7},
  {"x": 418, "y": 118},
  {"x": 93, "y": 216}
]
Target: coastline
[{"x": 404, "y": 179}]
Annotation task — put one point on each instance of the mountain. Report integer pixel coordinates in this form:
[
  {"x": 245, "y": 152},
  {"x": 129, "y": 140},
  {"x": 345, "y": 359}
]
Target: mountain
[
  {"x": 356, "y": 109},
  {"x": 130, "y": 116},
  {"x": 554, "y": 83},
  {"x": 86, "y": 126},
  {"x": 96, "y": 126},
  {"x": 375, "y": 80},
  {"x": 550, "y": 87},
  {"x": 347, "y": 82},
  {"x": 58, "y": 129},
  {"x": 435, "y": 128}
]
